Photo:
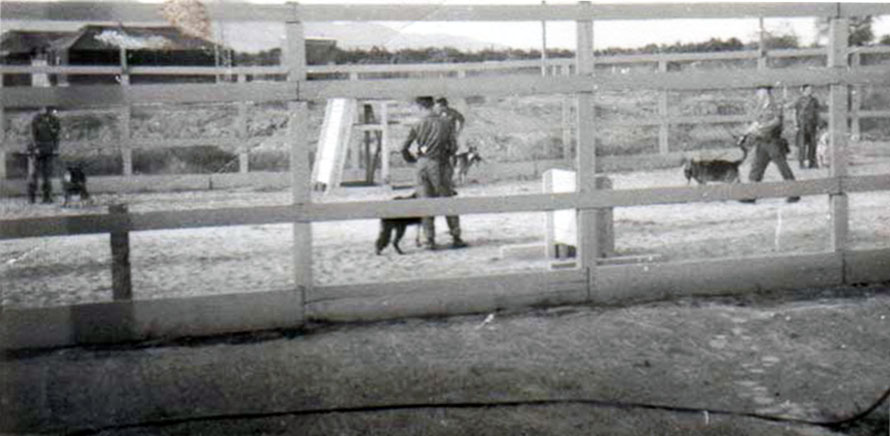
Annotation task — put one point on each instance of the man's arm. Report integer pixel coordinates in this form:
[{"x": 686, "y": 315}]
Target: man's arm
[{"x": 406, "y": 152}]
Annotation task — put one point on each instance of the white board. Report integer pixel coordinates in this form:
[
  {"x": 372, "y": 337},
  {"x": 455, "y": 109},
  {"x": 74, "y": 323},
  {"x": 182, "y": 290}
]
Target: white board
[
  {"x": 562, "y": 225},
  {"x": 333, "y": 142}
]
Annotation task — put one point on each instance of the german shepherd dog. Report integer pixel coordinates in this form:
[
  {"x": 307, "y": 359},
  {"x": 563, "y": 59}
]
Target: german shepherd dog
[
  {"x": 716, "y": 170},
  {"x": 74, "y": 182},
  {"x": 397, "y": 225},
  {"x": 463, "y": 161}
]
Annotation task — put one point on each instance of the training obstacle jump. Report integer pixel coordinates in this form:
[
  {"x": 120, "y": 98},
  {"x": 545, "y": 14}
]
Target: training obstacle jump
[{"x": 587, "y": 281}]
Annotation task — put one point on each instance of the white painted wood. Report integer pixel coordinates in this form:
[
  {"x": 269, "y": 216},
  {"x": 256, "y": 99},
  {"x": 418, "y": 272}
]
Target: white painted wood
[
  {"x": 838, "y": 100},
  {"x": 333, "y": 143}
]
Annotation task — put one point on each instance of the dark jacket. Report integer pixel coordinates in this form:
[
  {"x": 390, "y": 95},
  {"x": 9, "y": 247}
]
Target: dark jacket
[{"x": 45, "y": 128}]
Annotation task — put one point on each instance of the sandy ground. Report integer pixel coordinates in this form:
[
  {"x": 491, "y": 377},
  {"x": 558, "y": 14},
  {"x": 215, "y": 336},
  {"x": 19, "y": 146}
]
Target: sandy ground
[{"x": 71, "y": 270}]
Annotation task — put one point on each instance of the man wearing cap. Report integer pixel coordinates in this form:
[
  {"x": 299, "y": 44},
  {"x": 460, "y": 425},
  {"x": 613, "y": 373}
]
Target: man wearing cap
[
  {"x": 764, "y": 135},
  {"x": 433, "y": 135},
  {"x": 45, "y": 128},
  {"x": 806, "y": 120}
]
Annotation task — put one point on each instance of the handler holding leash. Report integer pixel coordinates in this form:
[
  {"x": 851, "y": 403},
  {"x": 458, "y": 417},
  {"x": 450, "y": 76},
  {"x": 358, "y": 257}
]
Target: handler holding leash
[
  {"x": 44, "y": 147},
  {"x": 434, "y": 135},
  {"x": 765, "y": 135}
]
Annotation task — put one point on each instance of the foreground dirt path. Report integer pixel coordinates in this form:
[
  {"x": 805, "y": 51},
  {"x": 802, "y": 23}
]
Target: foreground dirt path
[{"x": 814, "y": 355}]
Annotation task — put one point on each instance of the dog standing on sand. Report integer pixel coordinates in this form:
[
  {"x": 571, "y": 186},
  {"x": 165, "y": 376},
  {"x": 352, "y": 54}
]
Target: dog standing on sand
[
  {"x": 463, "y": 161},
  {"x": 388, "y": 226},
  {"x": 716, "y": 170},
  {"x": 74, "y": 182}
]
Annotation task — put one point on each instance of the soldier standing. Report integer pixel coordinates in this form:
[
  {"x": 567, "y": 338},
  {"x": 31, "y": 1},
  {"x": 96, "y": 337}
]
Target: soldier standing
[
  {"x": 45, "y": 128},
  {"x": 765, "y": 136},
  {"x": 433, "y": 135},
  {"x": 806, "y": 121}
]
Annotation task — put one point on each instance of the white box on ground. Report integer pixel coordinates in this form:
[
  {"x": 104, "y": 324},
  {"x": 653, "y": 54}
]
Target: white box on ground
[{"x": 563, "y": 224}]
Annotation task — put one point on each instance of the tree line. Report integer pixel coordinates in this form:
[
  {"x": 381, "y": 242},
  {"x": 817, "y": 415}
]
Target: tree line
[{"x": 860, "y": 34}]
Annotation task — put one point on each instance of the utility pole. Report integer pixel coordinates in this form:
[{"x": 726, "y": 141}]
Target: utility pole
[{"x": 543, "y": 44}]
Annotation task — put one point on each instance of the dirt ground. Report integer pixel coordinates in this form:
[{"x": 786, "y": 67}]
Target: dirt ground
[{"x": 685, "y": 367}]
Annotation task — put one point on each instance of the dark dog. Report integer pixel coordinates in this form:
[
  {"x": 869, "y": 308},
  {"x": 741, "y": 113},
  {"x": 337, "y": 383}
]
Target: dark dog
[
  {"x": 716, "y": 170},
  {"x": 463, "y": 161},
  {"x": 397, "y": 225},
  {"x": 74, "y": 182}
]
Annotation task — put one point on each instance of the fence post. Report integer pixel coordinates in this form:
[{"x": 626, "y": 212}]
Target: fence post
[
  {"x": 299, "y": 161},
  {"x": 663, "y": 127},
  {"x": 121, "y": 285},
  {"x": 837, "y": 123},
  {"x": 126, "y": 147},
  {"x": 244, "y": 136},
  {"x": 855, "y": 100},
  {"x": 2, "y": 135},
  {"x": 586, "y": 151},
  {"x": 761, "y": 47}
]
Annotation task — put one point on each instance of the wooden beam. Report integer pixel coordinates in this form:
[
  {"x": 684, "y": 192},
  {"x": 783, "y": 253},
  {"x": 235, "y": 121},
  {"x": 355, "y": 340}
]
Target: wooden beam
[
  {"x": 653, "y": 281},
  {"x": 113, "y": 95},
  {"x": 838, "y": 98},
  {"x": 121, "y": 284},
  {"x": 295, "y": 61},
  {"x": 306, "y": 212},
  {"x": 451, "y": 296},
  {"x": 585, "y": 160}
]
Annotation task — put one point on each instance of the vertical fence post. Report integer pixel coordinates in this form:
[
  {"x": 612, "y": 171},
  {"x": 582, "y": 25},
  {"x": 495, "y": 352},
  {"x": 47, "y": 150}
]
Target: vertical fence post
[
  {"x": 837, "y": 123},
  {"x": 567, "y": 123},
  {"x": 126, "y": 147},
  {"x": 121, "y": 285},
  {"x": 761, "y": 47},
  {"x": 663, "y": 127},
  {"x": 586, "y": 151},
  {"x": 299, "y": 161},
  {"x": 2, "y": 134},
  {"x": 384, "y": 142},
  {"x": 242, "y": 134},
  {"x": 855, "y": 100}
]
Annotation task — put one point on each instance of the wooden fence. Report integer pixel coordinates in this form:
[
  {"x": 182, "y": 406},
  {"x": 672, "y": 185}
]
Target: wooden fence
[
  {"x": 243, "y": 143},
  {"x": 589, "y": 282}
]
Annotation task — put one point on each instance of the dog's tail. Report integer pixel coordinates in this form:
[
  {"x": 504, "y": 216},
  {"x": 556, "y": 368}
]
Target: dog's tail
[{"x": 742, "y": 140}]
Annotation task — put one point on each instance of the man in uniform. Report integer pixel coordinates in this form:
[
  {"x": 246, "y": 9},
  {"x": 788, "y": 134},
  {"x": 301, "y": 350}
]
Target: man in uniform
[
  {"x": 765, "y": 136},
  {"x": 456, "y": 119},
  {"x": 806, "y": 121},
  {"x": 433, "y": 135},
  {"x": 44, "y": 146}
]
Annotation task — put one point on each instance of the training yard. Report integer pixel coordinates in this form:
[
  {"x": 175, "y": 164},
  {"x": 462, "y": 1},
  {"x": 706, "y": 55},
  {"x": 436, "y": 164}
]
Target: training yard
[{"x": 219, "y": 260}]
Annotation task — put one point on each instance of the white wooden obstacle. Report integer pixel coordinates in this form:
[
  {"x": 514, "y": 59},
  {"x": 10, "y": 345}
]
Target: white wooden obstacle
[
  {"x": 561, "y": 226},
  {"x": 330, "y": 155}
]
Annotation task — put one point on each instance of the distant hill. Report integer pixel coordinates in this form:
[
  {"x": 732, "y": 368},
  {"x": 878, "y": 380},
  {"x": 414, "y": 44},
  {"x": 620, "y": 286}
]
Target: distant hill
[
  {"x": 259, "y": 36},
  {"x": 252, "y": 37}
]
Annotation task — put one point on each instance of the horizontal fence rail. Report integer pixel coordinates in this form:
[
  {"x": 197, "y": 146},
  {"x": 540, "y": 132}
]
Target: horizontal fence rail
[{"x": 316, "y": 212}]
